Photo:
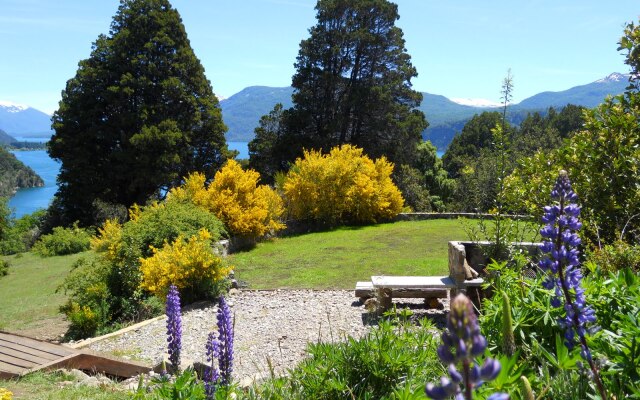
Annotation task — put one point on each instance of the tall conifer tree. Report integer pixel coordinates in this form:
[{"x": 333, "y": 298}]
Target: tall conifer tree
[
  {"x": 352, "y": 85},
  {"x": 138, "y": 116}
]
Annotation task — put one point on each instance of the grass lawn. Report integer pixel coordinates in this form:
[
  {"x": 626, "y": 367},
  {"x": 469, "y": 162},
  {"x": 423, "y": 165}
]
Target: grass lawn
[
  {"x": 29, "y": 300},
  {"x": 338, "y": 259},
  {"x": 49, "y": 386}
]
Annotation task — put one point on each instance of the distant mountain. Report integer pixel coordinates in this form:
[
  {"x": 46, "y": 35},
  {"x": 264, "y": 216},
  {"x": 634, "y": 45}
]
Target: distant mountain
[
  {"x": 242, "y": 111},
  {"x": 589, "y": 95},
  {"x": 21, "y": 120},
  {"x": 5, "y": 138}
]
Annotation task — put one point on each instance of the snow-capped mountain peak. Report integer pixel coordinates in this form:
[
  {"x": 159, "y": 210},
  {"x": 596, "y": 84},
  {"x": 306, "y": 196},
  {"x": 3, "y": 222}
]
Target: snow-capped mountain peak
[
  {"x": 475, "y": 102},
  {"x": 12, "y": 107},
  {"x": 614, "y": 77}
]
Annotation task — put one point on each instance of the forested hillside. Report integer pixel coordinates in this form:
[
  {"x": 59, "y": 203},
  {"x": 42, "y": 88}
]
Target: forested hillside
[{"x": 15, "y": 175}]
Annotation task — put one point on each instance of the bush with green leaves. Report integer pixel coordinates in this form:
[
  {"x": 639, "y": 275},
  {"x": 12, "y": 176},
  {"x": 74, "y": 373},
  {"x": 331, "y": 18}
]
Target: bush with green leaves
[
  {"x": 617, "y": 256},
  {"x": 4, "y": 268},
  {"x": 107, "y": 289},
  {"x": 20, "y": 234},
  {"x": 63, "y": 241}
]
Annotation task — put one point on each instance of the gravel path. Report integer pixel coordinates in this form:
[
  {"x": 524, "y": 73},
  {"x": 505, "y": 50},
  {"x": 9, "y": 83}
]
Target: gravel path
[{"x": 275, "y": 325}]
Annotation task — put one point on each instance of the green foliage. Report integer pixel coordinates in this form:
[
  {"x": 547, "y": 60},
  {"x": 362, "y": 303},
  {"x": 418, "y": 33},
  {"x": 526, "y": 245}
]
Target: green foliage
[
  {"x": 527, "y": 393},
  {"x": 352, "y": 85},
  {"x": 630, "y": 42},
  {"x": 63, "y": 241},
  {"x": 617, "y": 256},
  {"x": 262, "y": 149},
  {"x": 466, "y": 146},
  {"x": 410, "y": 182},
  {"x": 603, "y": 161},
  {"x": 388, "y": 361},
  {"x": 110, "y": 285},
  {"x": 14, "y": 174},
  {"x": 138, "y": 115},
  {"x": 4, "y": 268},
  {"x": 20, "y": 234},
  {"x": 185, "y": 386}
]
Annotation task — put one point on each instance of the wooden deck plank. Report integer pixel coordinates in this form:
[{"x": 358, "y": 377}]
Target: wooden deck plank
[
  {"x": 18, "y": 362},
  {"x": 11, "y": 369},
  {"x": 22, "y": 342},
  {"x": 30, "y": 350},
  {"x": 20, "y": 354}
]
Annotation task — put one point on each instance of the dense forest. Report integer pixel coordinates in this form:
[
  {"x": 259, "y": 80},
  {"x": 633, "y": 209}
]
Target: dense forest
[{"x": 15, "y": 175}]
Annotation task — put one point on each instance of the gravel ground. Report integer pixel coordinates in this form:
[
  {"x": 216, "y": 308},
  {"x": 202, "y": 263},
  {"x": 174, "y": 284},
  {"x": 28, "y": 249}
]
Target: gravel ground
[{"x": 275, "y": 325}]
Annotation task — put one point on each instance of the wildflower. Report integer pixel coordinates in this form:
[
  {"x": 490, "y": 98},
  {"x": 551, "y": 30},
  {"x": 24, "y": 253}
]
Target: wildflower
[
  {"x": 464, "y": 338},
  {"x": 5, "y": 394},
  {"x": 562, "y": 262},
  {"x": 562, "y": 265},
  {"x": 211, "y": 374},
  {"x": 225, "y": 337},
  {"x": 174, "y": 327}
]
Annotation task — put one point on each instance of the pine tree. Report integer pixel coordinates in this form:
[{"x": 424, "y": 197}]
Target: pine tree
[
  {"x": 353, "y": 85},
  {"x": 137, "y": 117}
]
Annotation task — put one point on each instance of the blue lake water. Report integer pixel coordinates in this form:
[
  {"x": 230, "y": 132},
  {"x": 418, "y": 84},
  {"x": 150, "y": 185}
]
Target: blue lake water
[{"x": 26, "y": 201}]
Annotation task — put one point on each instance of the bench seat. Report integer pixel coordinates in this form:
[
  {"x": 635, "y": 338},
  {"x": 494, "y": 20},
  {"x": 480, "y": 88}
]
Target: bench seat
[{"x": 365, "y": 290}]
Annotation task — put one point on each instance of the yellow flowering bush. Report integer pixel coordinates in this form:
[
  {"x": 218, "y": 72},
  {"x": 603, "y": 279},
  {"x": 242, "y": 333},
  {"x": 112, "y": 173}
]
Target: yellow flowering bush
[
  {"x": 342, "y": 186},
  {"x": 5, "y": 394},
  {"x": 234, "y": 196},
  {"x": 184, "y": 263}
]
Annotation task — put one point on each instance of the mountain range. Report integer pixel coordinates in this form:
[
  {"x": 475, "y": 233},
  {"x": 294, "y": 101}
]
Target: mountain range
[{"x": 242, "y": 111}]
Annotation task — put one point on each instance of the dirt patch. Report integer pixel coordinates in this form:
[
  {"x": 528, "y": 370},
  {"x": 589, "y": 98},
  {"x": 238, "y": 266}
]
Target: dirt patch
[{"x": 49, "y": 329}]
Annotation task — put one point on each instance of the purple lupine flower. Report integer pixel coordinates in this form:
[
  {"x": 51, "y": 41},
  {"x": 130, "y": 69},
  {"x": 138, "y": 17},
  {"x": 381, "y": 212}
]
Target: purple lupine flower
[
  {"x": 464, "y": 337},
  {"x": 562, "y": 265},
  {"x": 562, "y": 262},
  {"x": 174, "y": 327},
  {"x": 225, "y": 337},
  {"x": 211, "y": 374}
]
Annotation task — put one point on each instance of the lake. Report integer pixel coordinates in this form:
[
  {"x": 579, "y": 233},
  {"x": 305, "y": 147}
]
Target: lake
[{"x": 26, "y": 201}]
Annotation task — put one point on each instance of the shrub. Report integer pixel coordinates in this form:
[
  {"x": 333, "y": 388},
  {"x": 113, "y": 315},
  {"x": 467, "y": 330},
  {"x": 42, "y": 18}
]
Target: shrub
[
  {"x": 234, "y": 196},
  {"x": 187, "y": 264},
  {"x": 63, "y": 241},
  {"x": 4, "y": 268},
  {"x": 110, "y": 285},
  {"x": 617, "y": 256},
  {"x": 20, "y": 234},
  {"x": 343, "y": 186}
]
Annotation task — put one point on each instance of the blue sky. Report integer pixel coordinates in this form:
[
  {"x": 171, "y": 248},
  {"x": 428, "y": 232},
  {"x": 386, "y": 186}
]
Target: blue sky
[{"x": 460, "y": 48}]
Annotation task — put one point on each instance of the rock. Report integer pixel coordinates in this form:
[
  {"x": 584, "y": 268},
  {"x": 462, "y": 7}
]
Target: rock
[
  {"x": 77, "y": 374},
  {"x": 91, "y": 381}
]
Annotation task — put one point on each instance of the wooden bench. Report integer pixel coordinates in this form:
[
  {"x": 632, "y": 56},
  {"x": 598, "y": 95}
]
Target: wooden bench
[
  {"x": 365, "y": 290},
  {"x": 386, "y": 285}
]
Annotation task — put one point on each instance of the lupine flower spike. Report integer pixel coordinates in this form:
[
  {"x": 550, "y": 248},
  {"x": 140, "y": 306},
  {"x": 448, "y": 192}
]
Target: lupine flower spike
[
  {"x": 462, "y": 342},
  {"x": 225, "y": 337},
  {"x": 211, "y": 374},
  {"x": 174, "y": 327},
  {"x": 562, "y": 265}
]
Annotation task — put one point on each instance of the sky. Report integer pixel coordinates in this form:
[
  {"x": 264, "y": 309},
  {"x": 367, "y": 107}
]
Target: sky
[{"x": 461, "y": 48}]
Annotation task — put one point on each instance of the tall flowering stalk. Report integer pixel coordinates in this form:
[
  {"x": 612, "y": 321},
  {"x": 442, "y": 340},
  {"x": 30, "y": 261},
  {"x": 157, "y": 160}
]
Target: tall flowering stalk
[
  {"x": 174, "y": 327},
  {"x": 225, "y": 337},
  {"x": 211, "y": 373},
  {"x": 464, "y": 338},
  {"x": 562, "y": 265}
]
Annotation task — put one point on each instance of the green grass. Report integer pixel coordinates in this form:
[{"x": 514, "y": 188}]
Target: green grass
[
  {"x": 48, "y": 386},
  {"x": 338, "y": 259},
  {"x": 29, "y": 299}
]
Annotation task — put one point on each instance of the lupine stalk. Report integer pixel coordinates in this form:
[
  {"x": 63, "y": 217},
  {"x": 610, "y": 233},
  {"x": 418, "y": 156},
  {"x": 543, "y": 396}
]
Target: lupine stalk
[
  {"x": 562, "y": 265},
  {"x": 211, "y": 373},
  {"x": 463, "y": 335},
  {"x": 174, "y": 327},
  {"x": 508, "y": 340},
  {"x": 225, "y": 337}
]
